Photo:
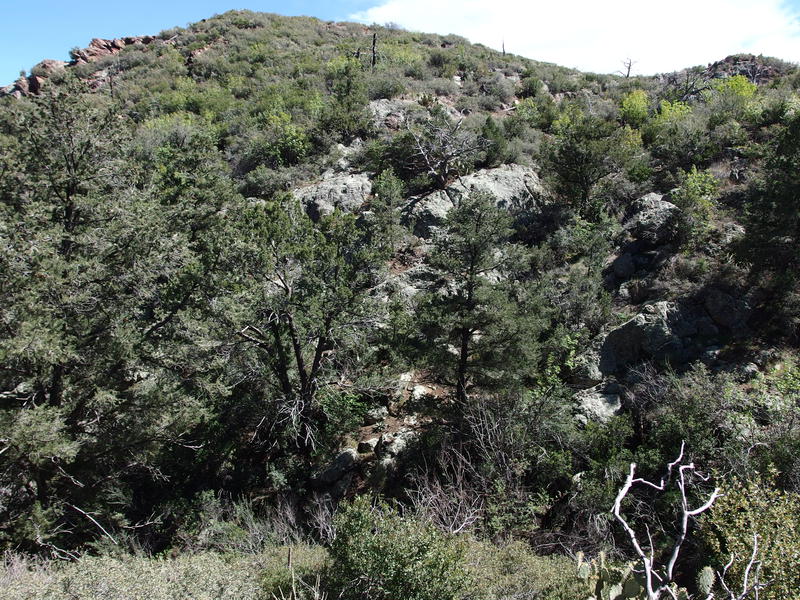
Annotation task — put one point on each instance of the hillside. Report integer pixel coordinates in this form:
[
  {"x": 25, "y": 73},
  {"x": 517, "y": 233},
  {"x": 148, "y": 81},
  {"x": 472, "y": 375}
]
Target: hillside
[{"x": 261, "y": 267}]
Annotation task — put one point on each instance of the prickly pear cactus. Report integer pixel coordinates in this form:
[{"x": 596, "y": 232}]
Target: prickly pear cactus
[
  {"x": 609, "y": 582},
  {"x": 705, "y": 580}
]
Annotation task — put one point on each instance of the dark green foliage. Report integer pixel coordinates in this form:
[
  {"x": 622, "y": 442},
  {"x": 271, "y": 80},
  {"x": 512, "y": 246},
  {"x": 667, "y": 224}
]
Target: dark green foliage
[
  {"x": 482, "y": 306},
  {"x": 388, "y": 199},
  {"x": 585, "y": 150},
  {"x": 303, "y": 297},
  {"x": 345, "y": 113},
  {"x": 99, "y": 284},
  {"x": 497, "y": 150},
  {"x": 437, "y": 148}
]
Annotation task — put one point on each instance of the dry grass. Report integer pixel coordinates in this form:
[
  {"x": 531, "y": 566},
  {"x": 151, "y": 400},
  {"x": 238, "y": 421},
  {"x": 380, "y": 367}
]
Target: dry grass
[{"x": 204, "y": 576}]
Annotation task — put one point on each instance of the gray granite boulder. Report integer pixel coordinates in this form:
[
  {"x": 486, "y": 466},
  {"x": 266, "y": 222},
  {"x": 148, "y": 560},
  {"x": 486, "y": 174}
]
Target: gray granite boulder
[
  {"x": 515, "y": 187},
  {"x": 653, "y": 221},
  {"x": 344, "y": 191}
]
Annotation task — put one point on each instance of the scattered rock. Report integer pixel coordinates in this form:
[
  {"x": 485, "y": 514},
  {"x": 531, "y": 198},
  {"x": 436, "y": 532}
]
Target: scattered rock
[
  {"x": 346, "y": 154},
  {"x": 368, "y": 446},
  {"x": 730, "y": 233},
  {"x": 376, "y": 415},
  {"x": 419, "y": 392},
  {"x": 711, "y": 355},
  {"x": 393, "y": 444},
  {"x": 749, "y": 371}
]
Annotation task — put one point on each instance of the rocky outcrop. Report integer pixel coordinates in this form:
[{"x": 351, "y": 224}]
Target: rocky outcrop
[
  {"x": 653, "y": 221},
  {"x": 390, "y": 113},
  {"x": 665, "y": 331},
  {"x": 755, "y": 68},
  {"x": 345, "y": 192},
  {"x": 597, "y": 404},
  {"x": 376, "y": 415},
  {"x": 655, "y": 333},
  {"x": 515, "y": 187},
  {"x": 97, "y": 49}
]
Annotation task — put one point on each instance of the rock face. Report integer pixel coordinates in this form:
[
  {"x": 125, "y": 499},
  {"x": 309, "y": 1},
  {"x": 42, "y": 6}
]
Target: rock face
[
  {"x": 389, "y": 113},
  {"x": 515, "y": 187},
  {"x": 653, "y": 221},
  {"x": 755, "y": 68},
  {"x": 345, "y": 192},
  {"x": 597, "y": 405},
  {"x": 624, "y": 266},
  {"x": 655, "y": 333}
]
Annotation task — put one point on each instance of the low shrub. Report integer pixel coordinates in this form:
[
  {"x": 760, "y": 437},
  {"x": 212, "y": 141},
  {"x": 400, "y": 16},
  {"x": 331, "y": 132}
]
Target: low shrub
[{"x": 379, "y": 554}]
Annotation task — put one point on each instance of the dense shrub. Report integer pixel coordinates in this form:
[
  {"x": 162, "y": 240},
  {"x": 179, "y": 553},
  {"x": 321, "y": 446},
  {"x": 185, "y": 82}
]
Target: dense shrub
[{"x": 379, "y": 554}]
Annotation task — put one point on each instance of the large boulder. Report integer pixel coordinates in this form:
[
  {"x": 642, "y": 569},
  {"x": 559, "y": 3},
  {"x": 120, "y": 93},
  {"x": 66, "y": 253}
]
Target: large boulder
[
  {"x": 390, "y": 113},
  {"x": 345, "y": 192},
  {"x": 515, "y": 187},
  {"x": 597, "y": 405},
  {"x": 725, "y": 310},
  {"x": 656, "y": 333},
  {"x": 336, "y": 477},
  {"x": 653, "y": 221},
  {"x": 341, "y": 466}
]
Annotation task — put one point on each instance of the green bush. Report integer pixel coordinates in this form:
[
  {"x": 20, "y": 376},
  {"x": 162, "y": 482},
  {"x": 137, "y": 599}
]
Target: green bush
[
  {"x": 379, "y": 554},
  {"x": 757, "y": 507},
  {"x": 695, "y": 197},
  {"x": 635, "y": 108}
]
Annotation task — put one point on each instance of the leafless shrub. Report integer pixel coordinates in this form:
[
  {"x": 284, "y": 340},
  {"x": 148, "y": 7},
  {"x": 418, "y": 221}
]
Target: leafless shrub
[{"x": 447, "y": 494}]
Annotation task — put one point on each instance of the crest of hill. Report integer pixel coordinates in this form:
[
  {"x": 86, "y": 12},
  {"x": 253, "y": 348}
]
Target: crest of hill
[{"x": 258, "y": 46}]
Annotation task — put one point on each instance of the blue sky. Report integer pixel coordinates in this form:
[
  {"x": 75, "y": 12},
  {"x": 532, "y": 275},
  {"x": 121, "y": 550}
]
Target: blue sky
[{"x": 590, "y": 35}]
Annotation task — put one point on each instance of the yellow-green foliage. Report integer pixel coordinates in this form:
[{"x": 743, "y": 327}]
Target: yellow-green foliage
[
  {"x": 738, "y": 86},
  {"x": 696, "y": 197},
  {"x": 757, "y": 507},
  {"x": 634, "y": 109},
  {"x": 513, "y": 571},
  {"x": 732, "y": 99},
  {"x": 671, "y": 111}
]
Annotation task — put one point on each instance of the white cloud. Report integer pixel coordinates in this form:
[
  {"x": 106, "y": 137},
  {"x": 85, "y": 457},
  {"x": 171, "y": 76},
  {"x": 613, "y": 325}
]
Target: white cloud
[{"x": 598, "y": 35}]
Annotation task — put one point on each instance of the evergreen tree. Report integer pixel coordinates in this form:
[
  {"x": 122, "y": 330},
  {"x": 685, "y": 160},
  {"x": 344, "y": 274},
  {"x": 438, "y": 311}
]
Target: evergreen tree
[{"x": 484, "y": 309}]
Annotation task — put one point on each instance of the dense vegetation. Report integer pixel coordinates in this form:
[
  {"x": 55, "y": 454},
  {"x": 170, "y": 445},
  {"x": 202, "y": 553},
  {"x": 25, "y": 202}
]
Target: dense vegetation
[{"x": 193, "y": 327}]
